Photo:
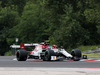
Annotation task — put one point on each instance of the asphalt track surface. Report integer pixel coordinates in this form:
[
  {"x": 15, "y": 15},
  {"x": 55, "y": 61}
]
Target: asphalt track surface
[{"x": 7, "y": 61}]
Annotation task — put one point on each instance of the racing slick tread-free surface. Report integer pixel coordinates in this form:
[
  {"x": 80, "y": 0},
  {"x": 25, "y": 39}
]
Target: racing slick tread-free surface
[
  {"x": 76, "y": 53},
  {"x": 48, "y": 55},
  {"x": 21, "y": 55}
]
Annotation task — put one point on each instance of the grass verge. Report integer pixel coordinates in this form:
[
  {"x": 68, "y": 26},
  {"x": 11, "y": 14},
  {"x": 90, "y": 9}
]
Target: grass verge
[
  {"x": 8, "y": 53},
  {"x": 86, "y": 48},
  {"x": 92, "y": 55}
]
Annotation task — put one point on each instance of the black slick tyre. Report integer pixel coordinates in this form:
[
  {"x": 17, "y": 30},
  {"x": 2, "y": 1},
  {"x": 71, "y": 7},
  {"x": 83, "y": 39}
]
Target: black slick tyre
[
  {"x": 21, "y": 55},
  {"x": 48, "y": 55},
  {"x": 76, "y": 53}
]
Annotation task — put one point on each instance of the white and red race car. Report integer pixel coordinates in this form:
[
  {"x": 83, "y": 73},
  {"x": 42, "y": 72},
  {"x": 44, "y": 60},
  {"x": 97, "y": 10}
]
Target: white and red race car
[{"x": 46, "y": 52}]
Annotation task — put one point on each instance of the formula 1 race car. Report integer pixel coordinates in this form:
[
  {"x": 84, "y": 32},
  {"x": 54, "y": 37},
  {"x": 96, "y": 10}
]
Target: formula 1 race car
[{"x": 46, "y": 52}]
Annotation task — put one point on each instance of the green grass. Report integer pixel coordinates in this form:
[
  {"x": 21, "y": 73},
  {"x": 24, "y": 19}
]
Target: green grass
[
  {"x": 86, "y": 48},
  {"x": 92, "y": 55},
  {"x": 8, "y": 53}
]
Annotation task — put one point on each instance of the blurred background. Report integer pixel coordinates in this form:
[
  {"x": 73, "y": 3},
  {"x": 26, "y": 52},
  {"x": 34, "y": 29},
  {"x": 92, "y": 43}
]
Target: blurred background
[{"x": 67, "y": 23}]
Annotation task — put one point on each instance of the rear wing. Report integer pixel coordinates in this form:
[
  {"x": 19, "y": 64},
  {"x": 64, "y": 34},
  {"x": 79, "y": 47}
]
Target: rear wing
[
  {"x": 24, "y": 45},
  {"x": 15, "y": 46}
]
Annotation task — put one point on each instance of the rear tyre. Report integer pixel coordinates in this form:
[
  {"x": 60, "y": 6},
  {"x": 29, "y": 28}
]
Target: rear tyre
[
  {"x": 48, "y": 55},
  {"x": 21, "y": 55},
  {"x": 76, "y": 53}
]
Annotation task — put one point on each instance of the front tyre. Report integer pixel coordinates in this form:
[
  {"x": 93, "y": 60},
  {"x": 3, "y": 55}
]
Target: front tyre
[
  {"x": 76, "y": 53},
  {"x": 21, "y": 55},
  {"x": 48, "y": 55}
]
